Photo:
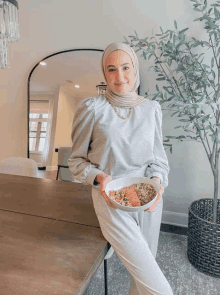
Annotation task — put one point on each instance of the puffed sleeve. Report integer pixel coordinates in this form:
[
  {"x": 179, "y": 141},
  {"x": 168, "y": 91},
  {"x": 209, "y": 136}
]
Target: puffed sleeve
[
  {"x": 80, "y": 167},
  {"x": 159, "y": 167}
]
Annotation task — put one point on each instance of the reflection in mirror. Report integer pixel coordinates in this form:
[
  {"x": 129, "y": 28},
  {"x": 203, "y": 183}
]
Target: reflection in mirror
[{"x": 57, "y": 86}]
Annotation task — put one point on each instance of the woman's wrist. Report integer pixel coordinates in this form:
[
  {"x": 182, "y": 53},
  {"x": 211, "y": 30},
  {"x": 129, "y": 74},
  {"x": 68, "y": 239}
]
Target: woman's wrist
[
  {"x": 99, "y": 177},
  {"x": 156, "y": 178}
]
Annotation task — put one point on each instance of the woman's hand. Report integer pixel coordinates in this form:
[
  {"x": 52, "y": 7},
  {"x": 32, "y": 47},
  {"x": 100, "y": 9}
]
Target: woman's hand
[
  {"x": 152, "y": 208},
  {"x": 104, "y": 179}
]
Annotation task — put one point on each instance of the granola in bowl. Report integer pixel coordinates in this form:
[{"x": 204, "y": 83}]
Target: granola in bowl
[{"x": 138, "y": 194}]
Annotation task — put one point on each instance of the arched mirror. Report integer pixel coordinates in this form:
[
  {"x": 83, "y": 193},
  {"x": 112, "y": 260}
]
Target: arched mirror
[{"x": 56, "y": 85}]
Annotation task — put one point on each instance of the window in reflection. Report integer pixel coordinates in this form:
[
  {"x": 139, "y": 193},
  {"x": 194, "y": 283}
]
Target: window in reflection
[{"x": 37, "y": 131}]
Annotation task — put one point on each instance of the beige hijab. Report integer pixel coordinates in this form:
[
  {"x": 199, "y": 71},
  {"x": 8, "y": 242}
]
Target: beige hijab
[{"x": 131, "y": 98}]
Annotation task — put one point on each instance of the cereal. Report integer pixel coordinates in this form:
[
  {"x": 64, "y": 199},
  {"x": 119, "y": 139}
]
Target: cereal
[
  {"x": 132, "y": 196},
  {"x": 145, "y": 191}
]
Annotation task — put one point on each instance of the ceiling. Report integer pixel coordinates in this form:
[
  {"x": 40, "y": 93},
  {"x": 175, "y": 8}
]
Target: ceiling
[{"x": 83, "y": 68}]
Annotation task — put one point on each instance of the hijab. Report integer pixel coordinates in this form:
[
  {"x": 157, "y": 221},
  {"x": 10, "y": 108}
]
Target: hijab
[{"x": 131, "y": 98}]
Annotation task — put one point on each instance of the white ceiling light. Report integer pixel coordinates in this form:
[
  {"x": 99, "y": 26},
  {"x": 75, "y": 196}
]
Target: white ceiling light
[
  {"x": 77, "y": 86},
  {"x": 9, "y": 29},
  {"x": 42, "y": 63}
]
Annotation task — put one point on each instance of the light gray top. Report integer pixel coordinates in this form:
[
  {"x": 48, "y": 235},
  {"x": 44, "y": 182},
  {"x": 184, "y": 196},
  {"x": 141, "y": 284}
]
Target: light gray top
[{"x": 103, "y": 142}]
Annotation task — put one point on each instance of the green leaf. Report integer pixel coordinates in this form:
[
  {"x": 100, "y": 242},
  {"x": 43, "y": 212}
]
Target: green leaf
[
  {"x": 160, "y": 79},
  {"x": 205, "y": 6},
  {"x": 161, "y": 30},
  {"x": 170, "y": 62},
  {"x": 171, "y": 149},
  {"x": 200, "y": 55},
  {"x": 177, "y": 126},
  {"x": 212, "y": 62},
  {"x": 157, "y": 88},
  {"x": 216, "y": 12},
  {"x": 197, "y": 9},
  {"x": 205, "y": 118},
  {"x": 213, "y": 73},
  {"x": 164, "y": 37},
  {"x": 171, "y": 34},
  {"x": 206, "y": 66},
  {"x": 126, "y": 39},
  {"x": 136, "y": 33},
  {"x": 213, "y": 136},
  {"x": 172, "y": 137},
  {"x": 175, "y": 24},
  {"x": 182, "y": 32},
  {"x": 201, "y": 99},
  {"x": 137, "y": 50},
  {"x": 150, "y": 55},
  {"x": 181, "y": 43},
  {"x": 167, "y": 89},
  {"x": 155, "y": 96},
  {"x": 197, "y": 5},
  {"x": 184, "y": 120},
  {"x": 174, "y": 113},
  {"x": 196, "y": 19},
  {"x": 171, "y": 97}
]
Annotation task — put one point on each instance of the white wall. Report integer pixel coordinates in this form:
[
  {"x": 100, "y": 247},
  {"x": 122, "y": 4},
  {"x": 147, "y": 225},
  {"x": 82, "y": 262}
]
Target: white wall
[
  {"x": 67, "y": 105},
  {"x": 48, "y": 26}
]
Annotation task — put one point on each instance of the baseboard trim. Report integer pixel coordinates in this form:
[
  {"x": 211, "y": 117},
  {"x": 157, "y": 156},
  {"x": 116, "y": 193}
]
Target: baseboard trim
[
  {"x": 174, "y": 222},
  {"x": 174, "y": 229}
]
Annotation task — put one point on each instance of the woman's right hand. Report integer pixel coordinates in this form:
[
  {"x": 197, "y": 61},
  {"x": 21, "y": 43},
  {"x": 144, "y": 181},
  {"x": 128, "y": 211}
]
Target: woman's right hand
[{"x": 104, "y": 179}]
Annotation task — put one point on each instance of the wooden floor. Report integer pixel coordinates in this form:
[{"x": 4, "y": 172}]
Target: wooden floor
[{"x": 47, "y": 174}]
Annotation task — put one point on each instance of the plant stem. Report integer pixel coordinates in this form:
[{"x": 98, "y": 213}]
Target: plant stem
[
  {"x": 203, "y": 72},
  {"x": 215, "y": 57},
  {"x": 205, "y": 135},
  {"x": 177, "y": 86},
  {"x": 215, "y": 203},
  {"x": 168, "y": 79}
]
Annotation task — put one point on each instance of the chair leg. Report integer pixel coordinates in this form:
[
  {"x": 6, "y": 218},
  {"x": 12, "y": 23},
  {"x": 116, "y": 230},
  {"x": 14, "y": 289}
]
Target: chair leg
[
  {"x": 58, "y": 172},
  {"x": 105, "y": 277}
]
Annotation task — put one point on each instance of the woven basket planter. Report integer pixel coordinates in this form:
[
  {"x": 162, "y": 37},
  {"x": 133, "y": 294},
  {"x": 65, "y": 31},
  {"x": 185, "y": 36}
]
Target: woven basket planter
[{"x": 204, "y": 237}]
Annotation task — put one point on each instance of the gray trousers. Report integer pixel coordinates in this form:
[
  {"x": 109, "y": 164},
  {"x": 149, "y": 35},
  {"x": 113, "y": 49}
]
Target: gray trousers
[{"x": 134, "y": 237}]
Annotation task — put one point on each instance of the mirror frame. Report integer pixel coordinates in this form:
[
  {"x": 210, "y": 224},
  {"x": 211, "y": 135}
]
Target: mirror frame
[{"x": 29, "y": 77}]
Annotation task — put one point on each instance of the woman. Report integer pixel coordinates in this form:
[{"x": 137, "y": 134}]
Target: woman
[{"x": 120, "y": 135}]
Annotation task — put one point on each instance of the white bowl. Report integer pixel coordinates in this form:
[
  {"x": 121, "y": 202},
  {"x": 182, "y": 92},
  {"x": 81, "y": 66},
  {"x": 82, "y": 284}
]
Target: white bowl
[{"x": 126, "y": 181}]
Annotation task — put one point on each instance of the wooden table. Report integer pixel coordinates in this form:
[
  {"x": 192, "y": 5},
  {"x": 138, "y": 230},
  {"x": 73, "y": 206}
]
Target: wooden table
[
  {"x": 63, "y": 200},
  {"x": 50, "y": 239}
]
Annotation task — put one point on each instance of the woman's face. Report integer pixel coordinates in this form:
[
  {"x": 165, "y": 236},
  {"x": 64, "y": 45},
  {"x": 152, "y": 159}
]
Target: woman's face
[{"x": 119, "y": 71}]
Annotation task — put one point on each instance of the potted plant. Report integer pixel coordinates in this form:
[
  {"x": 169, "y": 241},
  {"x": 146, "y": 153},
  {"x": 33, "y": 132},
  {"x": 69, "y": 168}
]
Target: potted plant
[{"x": 192, "y": 87}]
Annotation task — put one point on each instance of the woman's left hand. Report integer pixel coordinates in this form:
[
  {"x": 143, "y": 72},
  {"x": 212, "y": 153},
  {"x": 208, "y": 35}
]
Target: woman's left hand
[{"x": 152, "y": 208}]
